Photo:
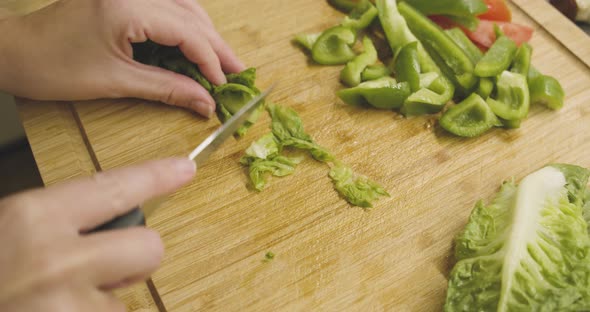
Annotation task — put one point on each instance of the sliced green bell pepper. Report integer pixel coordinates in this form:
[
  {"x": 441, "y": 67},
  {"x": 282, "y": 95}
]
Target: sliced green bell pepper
[
  {"x": 351, "y": 73},
  {"x": 497, "y": 59},
  {"x": 470, "y": 118},
  {"x": 334, "y": 46},
  {"x": 436, "y": 41},
  {"x": 384, "y": 93},
  {"x": 522, "y": 60},
  {"x": 344, "y": 5},
  {"x": 511, "y": 124},
  {"x": 398, "y": 34},
  {"x": 512, "y": 100},
  {"x": 469, "y": 22},
  {"x": 485, "y": 87},
  {"x": 361, "y": 16},
  {"x": 547, "y": 91},
  {"x": 429, "y": 100},
  {"x": 376, "y": 71},
  {"x": 307, "y": 40},
  {"x": 449, "y": 7},
  {"x": 461, "y": 40},
  {"x": 407, "y": 65}
]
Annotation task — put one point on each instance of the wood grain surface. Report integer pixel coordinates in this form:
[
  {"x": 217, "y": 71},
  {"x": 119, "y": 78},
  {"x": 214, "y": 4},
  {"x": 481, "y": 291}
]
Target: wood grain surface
[{"x": 329, "y": 255}]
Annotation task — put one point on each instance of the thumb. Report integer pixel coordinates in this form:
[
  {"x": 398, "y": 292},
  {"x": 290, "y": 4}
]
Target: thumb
[{"x": 157, "y": 84}]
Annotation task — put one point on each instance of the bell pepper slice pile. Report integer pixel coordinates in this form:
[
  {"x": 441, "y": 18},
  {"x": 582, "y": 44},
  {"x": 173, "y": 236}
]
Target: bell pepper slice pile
[{"x": 432, "y": 67}]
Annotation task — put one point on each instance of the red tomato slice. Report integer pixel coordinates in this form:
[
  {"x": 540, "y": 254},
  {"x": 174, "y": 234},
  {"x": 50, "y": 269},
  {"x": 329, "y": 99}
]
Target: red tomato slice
[
  {"x": 484, "y": 35},
  {"x": 497, "y": 11}
]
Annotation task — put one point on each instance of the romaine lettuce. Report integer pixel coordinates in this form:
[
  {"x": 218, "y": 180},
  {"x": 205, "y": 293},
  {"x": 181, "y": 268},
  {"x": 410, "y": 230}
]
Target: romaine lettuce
[{"x": 529, "y": 250}]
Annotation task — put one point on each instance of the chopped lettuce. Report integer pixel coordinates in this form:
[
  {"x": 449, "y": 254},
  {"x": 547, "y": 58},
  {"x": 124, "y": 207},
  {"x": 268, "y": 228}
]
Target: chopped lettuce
[
  {"x": 529, "y": 250},
  {"x": 266, "y": 147},
  {"x": 232, "y": 96},
  {"x": 356, "y": 189},
  {"x": 264, "y": 157},
  {"x": 278, "y": 166},
  {"x": 287, "y": 127}
]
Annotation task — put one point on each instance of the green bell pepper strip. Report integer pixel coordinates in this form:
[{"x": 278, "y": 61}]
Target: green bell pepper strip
[
  {"x": 461, "y": 40},
  {"x": 497, "y": 59},
  {"x": 511, "y": 124},
  {"x": 547, "y": 91},
  {"x": 344, "y": 5},
  {"x": 470, "y": 118},
  {"x": 512, "y": 100},
  {"x": 334, "y": 46},
  {"x": 485, "y": 87},
  {"x": 373, "y": 72},
  {"x": 436, "y": 41},
  {"x": 398, "y": 33},
  {"x": 383, "y": 93},
  {"x": 429, "y": 100},
  {"x": 307, "y": 40},
  {"x": 407, "y": 65},
  {"x": 522, "y": 60},
  {"x": 351, "y": 73},
  {"x": 449, "y": 7},
  {"x": 470, "y": 22},
  {"x": 361, "y": 16}
]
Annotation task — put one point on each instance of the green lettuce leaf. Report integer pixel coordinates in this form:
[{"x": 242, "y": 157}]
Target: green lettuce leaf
[
  {"x": 278, "y": 166},
  {"x": 287, "y": 127},
  {"x": 529, "y": 250},
  {"x": 267, "y": 147},
  {"x": 358, "y": 190},
  {"x": 586, "y": 208}
]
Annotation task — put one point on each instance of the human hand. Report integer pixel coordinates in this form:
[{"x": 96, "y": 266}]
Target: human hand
[
  {"x": 81, "y": 49},
  {"x": 48, "y": 263}
]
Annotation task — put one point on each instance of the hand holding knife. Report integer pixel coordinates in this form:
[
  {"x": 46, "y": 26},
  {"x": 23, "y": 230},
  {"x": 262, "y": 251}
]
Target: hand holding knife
[{"x": 136, "y": 217}]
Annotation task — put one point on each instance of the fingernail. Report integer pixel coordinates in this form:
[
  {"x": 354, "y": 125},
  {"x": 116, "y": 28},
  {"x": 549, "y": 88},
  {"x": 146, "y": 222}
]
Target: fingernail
[
  {"x": 202, "y": 108},
  {"x": 185, "y": 167}
]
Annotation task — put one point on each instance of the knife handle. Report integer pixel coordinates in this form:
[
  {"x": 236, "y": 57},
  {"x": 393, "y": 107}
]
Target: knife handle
[{"x": 134, "y": 217}]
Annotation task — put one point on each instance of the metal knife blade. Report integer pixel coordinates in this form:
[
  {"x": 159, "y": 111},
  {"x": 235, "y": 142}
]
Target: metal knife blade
[{"x": 210, "y": 144}]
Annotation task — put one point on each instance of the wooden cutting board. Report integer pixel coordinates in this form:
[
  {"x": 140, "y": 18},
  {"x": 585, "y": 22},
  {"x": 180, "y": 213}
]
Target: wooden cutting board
[{"x": 329, "y": 255}]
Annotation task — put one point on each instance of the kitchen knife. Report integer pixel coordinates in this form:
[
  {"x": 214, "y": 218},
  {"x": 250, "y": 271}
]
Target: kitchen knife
[{"x": 200, "y": 154}]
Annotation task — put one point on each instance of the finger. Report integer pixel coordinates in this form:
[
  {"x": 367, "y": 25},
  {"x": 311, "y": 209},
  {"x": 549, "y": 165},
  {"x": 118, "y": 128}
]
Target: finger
[
  {"x": 156, "y": 84},
  {"x": 90, "y": 202},
  {"x": 112, "y": 257},
  {"x": 230, "y": 63},
  {"x": 179, "y": 28}
]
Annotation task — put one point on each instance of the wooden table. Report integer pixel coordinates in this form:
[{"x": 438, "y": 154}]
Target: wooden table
[{"x": 330, "y": 256}]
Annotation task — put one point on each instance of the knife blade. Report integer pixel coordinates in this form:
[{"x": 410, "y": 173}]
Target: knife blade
[{"x": 200, "y": 155}]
